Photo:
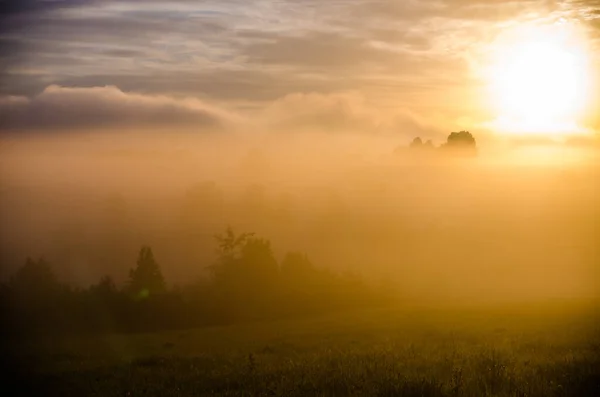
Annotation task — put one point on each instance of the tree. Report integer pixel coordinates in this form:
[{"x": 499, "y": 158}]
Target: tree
[
  {"x": 462, "y": 141},
  {"x": 417, "y": 143},
  {"x": 258, "y": 262},
  {"x": 229, "y": 247},
  {"x": 146, "y": 278},
  {"x": 35, "y": 279},
  {"x": 245, "y": 275},
  {"x": 105, "y": 288},
  {"x": 106, "y": 307},
  {"x": 297, "y": 268},
  {"x": 227, "y": 272},
  {"x": 244, "y": 261},
  {"x": 36, "y": 298}
]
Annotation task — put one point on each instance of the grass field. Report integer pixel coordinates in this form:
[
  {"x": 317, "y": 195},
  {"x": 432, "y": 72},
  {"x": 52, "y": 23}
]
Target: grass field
[{"x": 530, "y": 351}]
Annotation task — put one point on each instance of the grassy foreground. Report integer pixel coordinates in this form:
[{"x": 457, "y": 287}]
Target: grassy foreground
[{"x": 408, "y": 352}]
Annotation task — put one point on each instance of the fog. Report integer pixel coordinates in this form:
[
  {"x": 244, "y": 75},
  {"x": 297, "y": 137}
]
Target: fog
[{"x": 513, "y": 223}]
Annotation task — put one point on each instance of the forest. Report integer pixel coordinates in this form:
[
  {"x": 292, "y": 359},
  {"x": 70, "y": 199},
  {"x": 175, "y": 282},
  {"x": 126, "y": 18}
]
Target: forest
[{"x": 245, "y": 283}]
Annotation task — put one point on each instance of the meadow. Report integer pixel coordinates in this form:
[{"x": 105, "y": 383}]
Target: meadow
[{"x": 521, "y": 350}]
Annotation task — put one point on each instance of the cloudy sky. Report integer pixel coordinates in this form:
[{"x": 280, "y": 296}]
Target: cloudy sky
[{"x": 370, "y": 65}]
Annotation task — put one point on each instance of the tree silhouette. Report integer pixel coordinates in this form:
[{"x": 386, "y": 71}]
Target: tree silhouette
[
  {"x": 227, "y": 273},
  {"x": 297, "y": 268},
  {"x": 35, "y": 278},
  {"x": 416, "y": 143},
  {"x": 146, "y": 278},
  {"x": 105, "y": 306},
  {"x": 36, "y": 297},
  {"x": 247, "y": 283},
  {"x": 461, "y": 138},
  {"x": 228, "y": 251},
  {"x": 462, "y": 141},
  {"x": 105, "y": 288},
  {"x": 245, "y": 275},
  {"x": 259, "y": 262},
  {"x": 244, "y": 261}
]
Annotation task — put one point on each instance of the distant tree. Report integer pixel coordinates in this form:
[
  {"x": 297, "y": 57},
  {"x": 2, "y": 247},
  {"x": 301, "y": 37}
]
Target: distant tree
[
  {"x": 304, "y": 285},
  {"x": 244, "y": 259},
  {"x": 36, "y": 298},
  {"x": 105, "y": 288},
  {"x": 462, "y": 141},
  {"x": 146, "y": 278},
  {"x": 229, "y": 245},
  {"x": 461, "y": 138},
  {"x": 259, "y": 262},
  {"x": 416, "y": 143},
  {"x": 245, "y": 275},
  {"x": 106, "y": 307},
  {"x": 297, "y": 268},
  {"x": 226, "y": 271},
  {"x": 35, "y": 278}
]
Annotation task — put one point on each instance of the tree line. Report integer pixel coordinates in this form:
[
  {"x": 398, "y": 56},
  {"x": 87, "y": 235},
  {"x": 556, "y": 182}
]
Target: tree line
[
  {"x": 459, "y": 143},
  {"x": 245, "y": 283}
]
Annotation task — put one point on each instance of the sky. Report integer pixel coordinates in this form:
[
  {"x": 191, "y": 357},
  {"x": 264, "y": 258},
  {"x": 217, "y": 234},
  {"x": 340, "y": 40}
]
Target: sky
[{"x": 369, "y": 66}]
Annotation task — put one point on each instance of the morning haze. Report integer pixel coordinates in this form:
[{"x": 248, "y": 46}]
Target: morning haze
[
  {"x": 473, "y": 223},
  {"x": 300, "y": 198}
]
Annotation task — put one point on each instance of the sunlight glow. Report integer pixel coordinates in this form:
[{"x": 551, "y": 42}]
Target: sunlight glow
[{"x": 539, "y": 81}]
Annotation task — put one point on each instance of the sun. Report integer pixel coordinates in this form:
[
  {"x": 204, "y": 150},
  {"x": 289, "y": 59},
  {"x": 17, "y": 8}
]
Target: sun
[{"x": 539, "y": 81}]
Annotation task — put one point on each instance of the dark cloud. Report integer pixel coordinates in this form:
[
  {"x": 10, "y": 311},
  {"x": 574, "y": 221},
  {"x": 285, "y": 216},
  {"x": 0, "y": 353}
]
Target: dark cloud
[
  {"x": 9, "y": 49},
  {"x": 64, "y": 109},
  {"x": 58, "y": 108},
  {"x": 37, "y": 30},
  {"x": 11, "y": 7},
  {"x": 147, "y": 35},
  {"x": 125, "y": 25},
  {"x": 219, "y": 84}
]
